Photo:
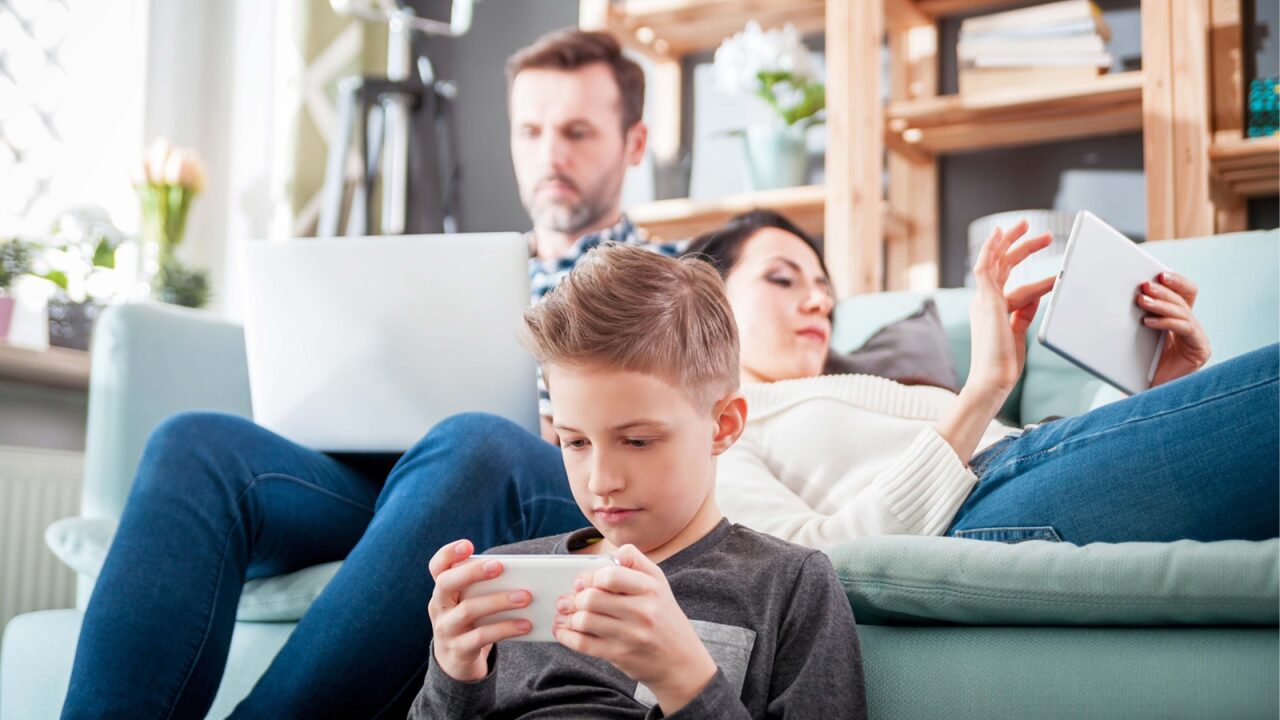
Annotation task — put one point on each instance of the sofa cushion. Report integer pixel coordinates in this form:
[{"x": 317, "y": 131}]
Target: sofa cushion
[
  {"x": 914, "y": 350},
  {"x": 905, "y": 579},
  {"x": 82, "y": 544},
  {"x": 860, "y": 317}
]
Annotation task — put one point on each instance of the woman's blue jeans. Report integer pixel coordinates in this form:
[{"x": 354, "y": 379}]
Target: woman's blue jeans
[
  {"x": 218, "y": 500},
  {"x": 1194, "y": 459}
]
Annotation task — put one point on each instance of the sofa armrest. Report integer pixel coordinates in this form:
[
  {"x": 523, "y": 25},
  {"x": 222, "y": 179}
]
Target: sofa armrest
[{"x": 149, "y": 362}]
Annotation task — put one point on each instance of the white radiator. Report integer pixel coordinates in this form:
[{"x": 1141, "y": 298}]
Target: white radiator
[{"x": 36, "y": 487}]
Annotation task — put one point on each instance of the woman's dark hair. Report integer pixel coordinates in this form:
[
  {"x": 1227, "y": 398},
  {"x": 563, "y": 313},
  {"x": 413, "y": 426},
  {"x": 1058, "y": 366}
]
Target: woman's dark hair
[{"x": 723, "y": 247}]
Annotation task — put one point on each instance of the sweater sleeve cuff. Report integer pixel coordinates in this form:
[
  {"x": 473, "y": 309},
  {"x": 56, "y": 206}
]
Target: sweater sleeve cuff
[
  {"x": 927, "y": 484},
  {"x": 444, "y": 697},
  {"x": 717, "y": 700}
]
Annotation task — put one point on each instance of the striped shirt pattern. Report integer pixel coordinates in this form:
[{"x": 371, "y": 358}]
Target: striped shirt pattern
[{"x": 545, "y": 275}]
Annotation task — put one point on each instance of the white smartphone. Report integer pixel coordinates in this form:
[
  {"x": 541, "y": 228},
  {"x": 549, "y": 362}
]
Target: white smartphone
[{"x": 546, "y": 577}]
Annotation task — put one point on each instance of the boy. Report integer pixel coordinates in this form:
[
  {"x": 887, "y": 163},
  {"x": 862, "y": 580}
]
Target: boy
[{"x": 700, "y": 618}]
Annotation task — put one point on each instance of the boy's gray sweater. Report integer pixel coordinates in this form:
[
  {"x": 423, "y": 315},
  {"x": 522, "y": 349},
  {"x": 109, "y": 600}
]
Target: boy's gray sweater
[{"x": 772, "y": 615}]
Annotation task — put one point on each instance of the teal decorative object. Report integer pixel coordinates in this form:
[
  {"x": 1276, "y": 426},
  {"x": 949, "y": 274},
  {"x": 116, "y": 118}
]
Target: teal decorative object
[{"x": 1264, "y": 107}]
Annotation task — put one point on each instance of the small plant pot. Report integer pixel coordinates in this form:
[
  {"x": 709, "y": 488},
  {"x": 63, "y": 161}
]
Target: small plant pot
[
  {"x": 776, "y": 156},
  {"x": 71, "y": 324}
]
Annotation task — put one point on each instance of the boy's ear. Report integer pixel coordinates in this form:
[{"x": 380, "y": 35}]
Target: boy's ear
[{"x": 731, "y": 420}]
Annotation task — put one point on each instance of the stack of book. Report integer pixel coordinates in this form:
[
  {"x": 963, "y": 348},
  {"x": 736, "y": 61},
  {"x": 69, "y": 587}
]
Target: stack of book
[{"x": 1058, "y": 43}]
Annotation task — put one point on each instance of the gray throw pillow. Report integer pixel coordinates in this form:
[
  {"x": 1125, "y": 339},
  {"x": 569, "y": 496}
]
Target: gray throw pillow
[{"x": 913, "y": 351}]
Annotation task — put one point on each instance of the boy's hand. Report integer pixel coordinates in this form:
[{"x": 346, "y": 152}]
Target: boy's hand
[
  {"x": 461, "y": 647},
  {"x": 627, "y": 616}
]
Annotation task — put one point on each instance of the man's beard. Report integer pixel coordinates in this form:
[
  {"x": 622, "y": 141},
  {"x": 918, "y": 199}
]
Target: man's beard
[{"x": 569, "y": 218}]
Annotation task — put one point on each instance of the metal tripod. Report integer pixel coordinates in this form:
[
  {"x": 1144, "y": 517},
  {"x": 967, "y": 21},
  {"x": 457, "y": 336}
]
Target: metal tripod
[{"x": 384, "y": 107}]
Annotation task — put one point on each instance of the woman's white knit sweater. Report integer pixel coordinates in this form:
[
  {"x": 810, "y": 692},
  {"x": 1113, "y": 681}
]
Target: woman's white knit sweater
[{"x": 827, "y": 459}]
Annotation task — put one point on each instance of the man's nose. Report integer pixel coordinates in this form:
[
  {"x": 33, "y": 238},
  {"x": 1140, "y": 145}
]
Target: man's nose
[{"x": 551, "y": 150}]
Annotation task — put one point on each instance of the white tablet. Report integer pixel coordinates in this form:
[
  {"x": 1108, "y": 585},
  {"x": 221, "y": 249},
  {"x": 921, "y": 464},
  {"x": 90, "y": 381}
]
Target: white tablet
[{"x": 1092, "y": 319}]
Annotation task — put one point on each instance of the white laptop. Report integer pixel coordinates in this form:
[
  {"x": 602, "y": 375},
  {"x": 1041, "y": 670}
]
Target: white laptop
[
  {"x": 363, "y": 344},
  {"x": 1092, "y": 319}
]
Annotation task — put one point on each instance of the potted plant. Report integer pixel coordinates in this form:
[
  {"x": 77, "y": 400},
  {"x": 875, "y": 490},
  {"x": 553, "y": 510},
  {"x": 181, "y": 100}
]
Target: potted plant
[
  {"x": 15, "y": 261},
  {"x": 776, "y": 67},
  {"x": 167, "y": 181},
  {"x": 78, "y": 258}
]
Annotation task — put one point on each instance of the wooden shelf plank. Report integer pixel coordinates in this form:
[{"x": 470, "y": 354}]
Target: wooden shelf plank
[
  {"x": 685, "y": 218},
  {"x": 673, "y": 28},
  {"x": 1249, "y": 167},
  {"x": 54, "y": 367},
  {"x": 940, "y": 8},
  {"x": 1111, "y": 104},
  {"x": 806, "y": 205}
]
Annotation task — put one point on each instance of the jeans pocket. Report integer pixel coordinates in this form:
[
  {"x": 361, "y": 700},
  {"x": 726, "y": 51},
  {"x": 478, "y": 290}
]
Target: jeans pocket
[{"x": 1009, "y": 535}]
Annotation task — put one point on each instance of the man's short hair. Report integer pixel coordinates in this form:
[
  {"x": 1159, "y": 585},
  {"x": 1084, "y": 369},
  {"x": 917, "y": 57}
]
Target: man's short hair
[
  {"x": 626, "y": 308},
  {"x": 570, "y": 49}
]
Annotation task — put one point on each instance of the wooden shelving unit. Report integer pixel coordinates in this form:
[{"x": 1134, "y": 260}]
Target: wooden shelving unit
[
  {"x": 674, "y": 28},
  {"x": 1247, "y": 167},
  {"x": 1187, "y": 102},
  {"x": 1111, "y": 104},
  {"x": 682, "y": 218},
  {"x": 685, "y": 218}
]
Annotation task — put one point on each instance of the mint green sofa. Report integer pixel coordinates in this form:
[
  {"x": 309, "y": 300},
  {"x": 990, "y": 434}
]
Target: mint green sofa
[{"x": 949, "y": 628}]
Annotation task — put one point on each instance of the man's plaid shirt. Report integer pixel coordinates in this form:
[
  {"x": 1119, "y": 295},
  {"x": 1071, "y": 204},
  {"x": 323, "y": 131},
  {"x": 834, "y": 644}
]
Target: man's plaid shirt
[{"x": 543, "y": 276}]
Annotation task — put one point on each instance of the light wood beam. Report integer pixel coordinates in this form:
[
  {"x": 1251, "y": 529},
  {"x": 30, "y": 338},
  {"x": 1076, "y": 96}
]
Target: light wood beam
[
  {"x": 911, "y": 262},
  {"x": 1193, "y": 210},
  {"x": 855, "y": 146},
  {"x": 1157, "y": 117}
]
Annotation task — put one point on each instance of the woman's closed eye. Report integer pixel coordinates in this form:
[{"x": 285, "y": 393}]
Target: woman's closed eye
[{"x": 779, "y": 280}]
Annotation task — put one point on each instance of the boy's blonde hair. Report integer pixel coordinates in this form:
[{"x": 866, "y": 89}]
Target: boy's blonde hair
[{"x": 626, "y": 308}]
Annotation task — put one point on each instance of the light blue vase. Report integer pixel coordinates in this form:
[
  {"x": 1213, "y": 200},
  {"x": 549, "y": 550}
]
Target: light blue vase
[{"x": 775, "y": 156}]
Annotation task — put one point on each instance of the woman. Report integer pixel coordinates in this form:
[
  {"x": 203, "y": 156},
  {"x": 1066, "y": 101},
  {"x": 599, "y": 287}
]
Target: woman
[{"x": 829, "y": 459}]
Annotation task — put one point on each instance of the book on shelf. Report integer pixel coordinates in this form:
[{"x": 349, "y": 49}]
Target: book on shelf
[
  {"x": 1030, "y": 48},
  {"x": 1053, "y": 44},
  {"x": 1066, "y": 17},
  {"x": 1098, "y": 60},
  {"x": 986, "y": 80}
]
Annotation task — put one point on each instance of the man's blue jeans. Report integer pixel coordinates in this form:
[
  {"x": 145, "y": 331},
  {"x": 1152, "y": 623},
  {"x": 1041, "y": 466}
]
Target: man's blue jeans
[
  {"x": 1194, "y": 459},
  {"x": 218, "y": 500}
]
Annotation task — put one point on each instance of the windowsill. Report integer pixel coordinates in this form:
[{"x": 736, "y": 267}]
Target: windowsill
[{"x": 54, "y": 367}]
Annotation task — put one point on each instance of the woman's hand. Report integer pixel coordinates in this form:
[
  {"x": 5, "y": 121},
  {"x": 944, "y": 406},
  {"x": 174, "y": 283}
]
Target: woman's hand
[
  {"x": 627, "y": 616},
  {"x": 461, "y": 646},
  {"x": 998, "y": 320},
  {"x": 998, "y": 323},
  {"x": 1168, "y": 301}
]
